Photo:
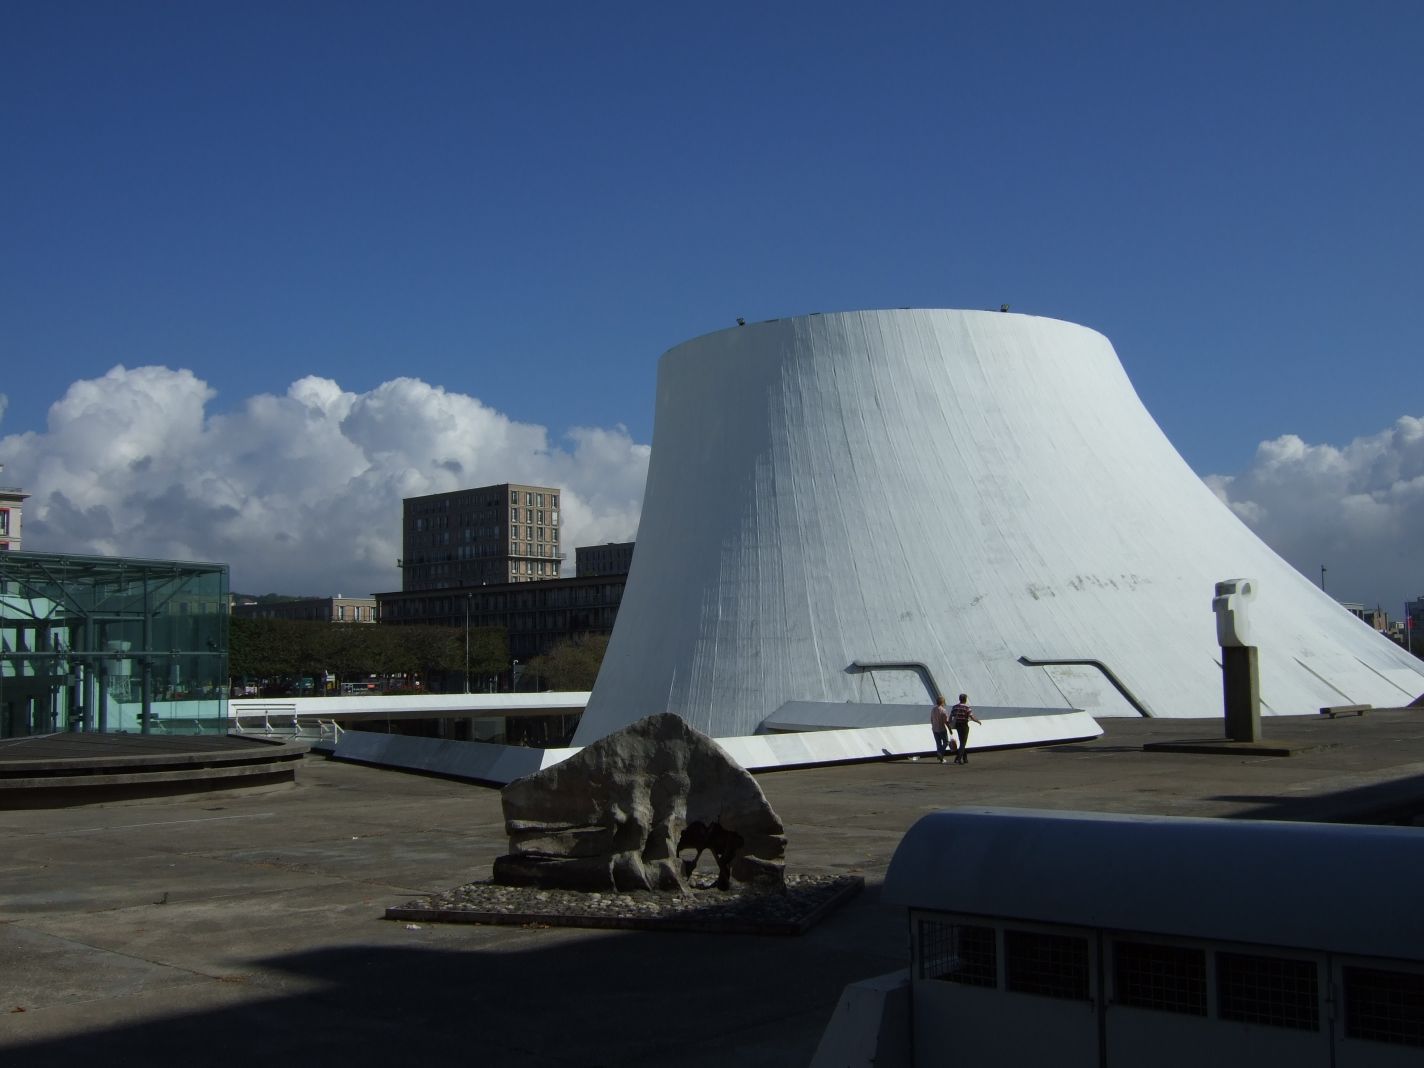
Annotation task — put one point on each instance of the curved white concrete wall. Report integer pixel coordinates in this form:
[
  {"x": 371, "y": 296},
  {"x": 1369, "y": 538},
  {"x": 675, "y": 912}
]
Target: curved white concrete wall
[{"x": 954, "y": 487}]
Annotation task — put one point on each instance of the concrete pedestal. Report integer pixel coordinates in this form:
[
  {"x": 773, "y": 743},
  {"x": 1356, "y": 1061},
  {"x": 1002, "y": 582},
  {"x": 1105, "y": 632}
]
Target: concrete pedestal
[{"x": 1241, "y": 693}]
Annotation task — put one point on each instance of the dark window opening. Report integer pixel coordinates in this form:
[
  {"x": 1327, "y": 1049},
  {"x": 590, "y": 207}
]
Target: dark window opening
[
  {"x": 1384, "y": 1006},
  {"x": 1273, "y": 991},
  {"x": 1052, "y": 965},
  {"x": 958, "y": 954},
  {"x": 1167, "y": 978}
]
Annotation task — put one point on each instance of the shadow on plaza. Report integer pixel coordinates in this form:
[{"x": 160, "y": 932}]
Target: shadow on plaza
[
  {"x": 1397, "y": 801},
  {"x": 608, "y": 999}
]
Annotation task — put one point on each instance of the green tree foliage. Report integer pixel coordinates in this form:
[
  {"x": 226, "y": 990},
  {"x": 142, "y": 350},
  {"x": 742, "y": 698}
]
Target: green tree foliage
[
  {"x": 287, "y": 650},
  {"x": 261, "y": 647},
  {"x": 348, "y": 649},
  {"x": 572, "y": 664},
  {"x": 489, "y": 651}
]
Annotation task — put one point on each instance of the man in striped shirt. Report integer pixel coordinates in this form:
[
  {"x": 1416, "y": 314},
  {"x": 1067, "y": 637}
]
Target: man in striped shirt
[{"x": 959, "y": 718}]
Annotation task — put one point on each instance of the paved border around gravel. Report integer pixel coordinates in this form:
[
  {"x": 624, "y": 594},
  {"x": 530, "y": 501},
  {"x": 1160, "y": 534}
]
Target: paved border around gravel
[{"x": 807, "y": 900}]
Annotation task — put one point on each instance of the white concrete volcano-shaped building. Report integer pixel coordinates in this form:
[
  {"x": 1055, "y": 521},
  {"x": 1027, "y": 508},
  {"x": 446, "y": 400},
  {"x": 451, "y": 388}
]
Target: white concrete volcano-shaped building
[{"x": 836, "y": 499}]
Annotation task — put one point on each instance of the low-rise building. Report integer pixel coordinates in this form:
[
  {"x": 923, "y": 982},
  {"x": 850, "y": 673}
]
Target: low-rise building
[
  {"x": 611, "y": 558},
  {"x": 534, "y": 615},
  {"x": 1376, "y": 617},
  {"x": 336, "y": 609}
]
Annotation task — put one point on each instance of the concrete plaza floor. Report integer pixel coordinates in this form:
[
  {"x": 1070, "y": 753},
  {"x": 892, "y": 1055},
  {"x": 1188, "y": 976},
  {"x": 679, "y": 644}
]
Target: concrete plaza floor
[{"x": 220, "y": 929}]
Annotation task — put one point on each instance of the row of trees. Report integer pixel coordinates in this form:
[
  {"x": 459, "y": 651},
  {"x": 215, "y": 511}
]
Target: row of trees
[
  {"x": 572, "y": 664},
  {"x": 284, "y": 651},
  {"x": 281, "y": 652}
]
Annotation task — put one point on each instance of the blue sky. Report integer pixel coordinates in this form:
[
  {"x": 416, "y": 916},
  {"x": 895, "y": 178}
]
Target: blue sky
[{"x": 528, "y": 204}]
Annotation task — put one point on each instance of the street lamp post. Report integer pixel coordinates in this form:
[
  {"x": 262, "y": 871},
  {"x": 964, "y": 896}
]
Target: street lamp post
[
  {"x": 467, "y": 643},
  {"x": 514, "y": 678}
]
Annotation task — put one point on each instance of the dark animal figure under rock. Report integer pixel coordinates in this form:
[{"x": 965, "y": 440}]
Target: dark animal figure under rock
[{"x": 713, "y": 837}]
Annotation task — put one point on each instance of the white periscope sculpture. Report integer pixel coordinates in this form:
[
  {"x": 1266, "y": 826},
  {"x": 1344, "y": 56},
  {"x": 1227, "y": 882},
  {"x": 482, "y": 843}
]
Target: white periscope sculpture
[
  {"x": 1240, "y": 660},
  {"x": 844, "y": 511},
  {"x": 1229, "y": 604}
]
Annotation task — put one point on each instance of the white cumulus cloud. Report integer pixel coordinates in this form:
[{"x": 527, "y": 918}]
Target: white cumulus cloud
[
  {"x": 299, "y": 493},
  {"x": 1357, "y": 509}
]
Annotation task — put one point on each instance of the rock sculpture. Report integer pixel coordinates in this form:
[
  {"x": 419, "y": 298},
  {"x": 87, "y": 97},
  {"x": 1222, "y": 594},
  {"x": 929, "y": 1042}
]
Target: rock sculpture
[{"x": 618, "y": 814}]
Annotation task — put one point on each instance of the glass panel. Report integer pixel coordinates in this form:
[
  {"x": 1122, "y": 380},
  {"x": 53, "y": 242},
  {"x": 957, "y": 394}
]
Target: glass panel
[{"x": 108, "y": 644}]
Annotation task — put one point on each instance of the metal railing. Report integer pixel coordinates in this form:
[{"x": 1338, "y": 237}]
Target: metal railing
[{"x": 280, "y": 719}]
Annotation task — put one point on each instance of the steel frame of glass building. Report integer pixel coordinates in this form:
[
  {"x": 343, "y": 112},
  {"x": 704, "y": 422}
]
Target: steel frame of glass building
[{"x": 91, "y": 643}]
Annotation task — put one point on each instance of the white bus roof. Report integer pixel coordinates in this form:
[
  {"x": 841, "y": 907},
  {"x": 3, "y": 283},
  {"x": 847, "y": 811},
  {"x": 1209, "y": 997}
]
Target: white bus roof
[{"x": 1333, "y": 887}]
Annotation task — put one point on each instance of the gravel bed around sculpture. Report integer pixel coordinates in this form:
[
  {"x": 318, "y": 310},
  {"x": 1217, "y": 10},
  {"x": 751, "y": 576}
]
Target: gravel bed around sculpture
[{"x": 741, "y": 910}]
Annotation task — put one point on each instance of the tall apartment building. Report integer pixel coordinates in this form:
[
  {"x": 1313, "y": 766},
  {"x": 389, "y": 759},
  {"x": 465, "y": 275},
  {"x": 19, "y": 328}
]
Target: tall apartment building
[
  {"x": 480, "y": 537},
  {"x": 11, "y": 501}
]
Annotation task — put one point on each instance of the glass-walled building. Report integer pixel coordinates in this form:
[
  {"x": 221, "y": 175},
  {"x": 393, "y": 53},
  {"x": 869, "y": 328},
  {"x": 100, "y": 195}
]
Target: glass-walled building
[{"x": 93, "y": 643}]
